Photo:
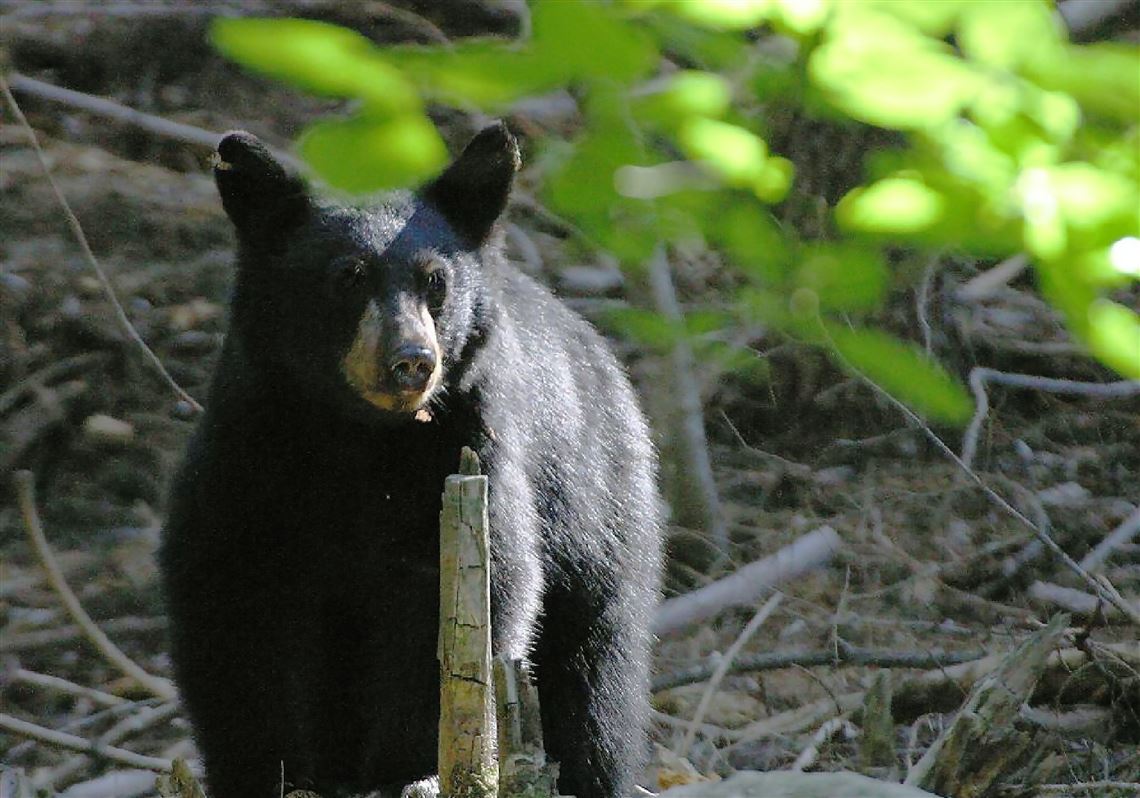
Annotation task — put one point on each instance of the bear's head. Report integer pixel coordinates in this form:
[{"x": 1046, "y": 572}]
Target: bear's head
[{"x": 365, "y": 307}]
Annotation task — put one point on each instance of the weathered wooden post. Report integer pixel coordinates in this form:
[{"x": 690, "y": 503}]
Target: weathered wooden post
[
  {"x": 467, "y": 762},
  {"x": 523, "y": 769}
]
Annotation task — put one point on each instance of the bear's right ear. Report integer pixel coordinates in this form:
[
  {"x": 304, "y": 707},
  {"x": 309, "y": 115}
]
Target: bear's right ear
[
  {"x": 261, "y": 198},
  {"x": 472, "y": 192}
]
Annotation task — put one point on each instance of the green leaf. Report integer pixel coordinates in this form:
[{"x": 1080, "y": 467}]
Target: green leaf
[
  {"x": 750, "y": 237},
  {"x": 935, "y": 18},
  {"x": 1101, "y": 77},
  {"x": 725, "y": 14},
  {"x": 362, "y": 154},
  {"x": 590, "y": 41},
  {"x": 317, "y": 57},
  {"x": 1114, "y": 337},
  {"x": 685, "y": 94},
  {"x": 843, "y": 276},
  {"x": 881, "y": 70},
  {"x": 740, "y": 360},
  {"x": 984, "y": 32},
  {"x": 645, "y": 327},
  {"x": 904, "y": 371},
  {"x": 735, "y": 154},
  {"x": 894, "y": 205},
  {"x": 483, "y": 74}
]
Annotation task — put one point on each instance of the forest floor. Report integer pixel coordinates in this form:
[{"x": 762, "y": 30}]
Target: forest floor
[{"x": 930, "y": 567}]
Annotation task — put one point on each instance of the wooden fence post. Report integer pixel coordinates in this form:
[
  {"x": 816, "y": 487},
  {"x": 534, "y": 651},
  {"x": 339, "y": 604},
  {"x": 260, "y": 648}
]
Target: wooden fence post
[{"x": 467, "y": 762}]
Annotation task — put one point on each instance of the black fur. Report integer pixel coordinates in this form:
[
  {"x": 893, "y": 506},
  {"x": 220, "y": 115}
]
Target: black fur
[{"x": 301, "y": 553}]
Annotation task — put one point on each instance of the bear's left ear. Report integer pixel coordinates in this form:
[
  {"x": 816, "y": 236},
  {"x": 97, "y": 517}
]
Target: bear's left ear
[
  {"x": 472, "y": 192},
  {"x": 260, "y": 196}
]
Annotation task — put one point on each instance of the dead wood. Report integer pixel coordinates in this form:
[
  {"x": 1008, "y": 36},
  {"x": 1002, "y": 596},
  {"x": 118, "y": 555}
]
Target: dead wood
[
  {"x": 982, "y": 742},
  {"x": 467, "y": 764},
  {"x": 746, "y": 585}
]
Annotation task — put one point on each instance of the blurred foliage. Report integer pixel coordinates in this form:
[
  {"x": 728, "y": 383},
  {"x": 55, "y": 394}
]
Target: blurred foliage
[{"x": 1016, "y": 141}]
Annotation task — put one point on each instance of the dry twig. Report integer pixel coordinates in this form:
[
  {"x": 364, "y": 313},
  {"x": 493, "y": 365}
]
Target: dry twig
[
  {"x": 980, "y": 375},
  {"x": 722, "y": 667},
  {"x": 1102, "y": 588},
  {"x": 25, "y": 494},
  {"x": 745, "y": 585},
  {"x": 89, "y": 256},
  {"x": 73, "y": 743}
]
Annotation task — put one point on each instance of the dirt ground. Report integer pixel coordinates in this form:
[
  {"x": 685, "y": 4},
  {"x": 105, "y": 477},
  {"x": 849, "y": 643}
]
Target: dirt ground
[{"x": 930, "y": 567}]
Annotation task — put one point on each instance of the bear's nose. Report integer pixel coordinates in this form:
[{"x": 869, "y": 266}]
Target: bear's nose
[{"x": 412, "y": 366}]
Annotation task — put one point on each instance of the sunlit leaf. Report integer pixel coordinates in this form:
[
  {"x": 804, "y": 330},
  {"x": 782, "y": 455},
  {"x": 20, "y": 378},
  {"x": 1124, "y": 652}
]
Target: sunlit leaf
[
  {"x": 904, "y": 371},
  {"x": 802, "y": 16},
  {"x": 1089, "y": 197},
  {"x": 860, "y": 71},
  {"x": 728, "y": 14},
  {"x": 936, "y": 18},
  {"x": 685, "y": 94},
  {"x": 774, "y": 180},
  {"x": 317, "y": 57},
  {"x": 736, "y": 154},
  {"x": 1102, "y": 77},
  {"x": 985, "y": 32},
  {"x": 1114, "y": 337},
  {"x": 894, "y": 205},
  {"x": 362, "y": 154}
]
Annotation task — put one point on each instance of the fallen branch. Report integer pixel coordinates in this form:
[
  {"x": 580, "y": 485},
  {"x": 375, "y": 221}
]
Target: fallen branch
[
  {"x": 943, "y": 690},
  {"x": 986, "y": 283},
  {"x": 980, "y": 375},
  {"x": 1103, "y": 589},
  {"x": 722, "y": 667},
  {"x": 1124, "y": 533},
  {"x": 48, "y": 682},
  {"x": 89, "y": 256},
  {"x": 746, "y": 585},
  {"x": 810, "y": 754},
  {"x": 25, "y": 495},
  {"x": 42, "y": 638},
  {"x": 73, "y": 743},
  {"x": 124, "y": 729},
  {"x": 982, "y": 742},
  {"x": 844, "y": 655},
  {"x": 1072, "y": 600}
]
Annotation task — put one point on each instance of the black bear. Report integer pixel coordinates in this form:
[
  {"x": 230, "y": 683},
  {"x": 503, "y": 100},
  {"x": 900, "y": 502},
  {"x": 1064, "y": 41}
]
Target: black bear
[{"x": 366, "y": 347}]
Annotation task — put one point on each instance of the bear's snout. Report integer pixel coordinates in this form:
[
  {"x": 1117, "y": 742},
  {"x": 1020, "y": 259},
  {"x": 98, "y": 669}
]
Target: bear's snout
[{"x": 412, "y": 366}]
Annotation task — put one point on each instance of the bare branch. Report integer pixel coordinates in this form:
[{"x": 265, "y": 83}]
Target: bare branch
[
  {"x": 980, "y": 375},
  {"x": 73, "y": 743},
  {"x": 1103, "y": 589},
  {"x": 746, "y": 585},
  {"x": 89, "y": 256},
  {"x": 844, "y": 655},
  {"x": 745, "y": 635},
  {"x": 25, "y": 494},
  {"x": 49, "y": 682},
  {"x": 1127, "y": 530}
]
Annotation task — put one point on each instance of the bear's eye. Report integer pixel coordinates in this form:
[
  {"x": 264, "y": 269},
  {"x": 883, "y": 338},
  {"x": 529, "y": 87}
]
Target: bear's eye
[
  {"x": 349, "y": 274},
  {"x": 436, "y": 288}
]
